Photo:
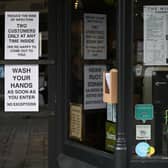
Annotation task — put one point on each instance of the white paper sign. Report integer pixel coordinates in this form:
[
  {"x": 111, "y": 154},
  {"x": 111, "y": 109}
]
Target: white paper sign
[
  {"x": 95, "y": 36},
  {"x": 155, "y": 35},
  {"x": 93, "y": 87},
  {"x": 143, "y": 132},
  {"x": 21, "y": 43},
  {"x": 21, "y": 35},
  {"x": 21, "y": 88}
]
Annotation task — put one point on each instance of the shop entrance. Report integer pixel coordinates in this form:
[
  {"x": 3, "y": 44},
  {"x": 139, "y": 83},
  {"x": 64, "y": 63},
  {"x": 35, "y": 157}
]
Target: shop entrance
[
  {"x": 24, "y": 81},
  {"x": 85, "y": 47}
]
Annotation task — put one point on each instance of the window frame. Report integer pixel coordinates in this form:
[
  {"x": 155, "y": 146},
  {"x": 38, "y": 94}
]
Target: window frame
[{"x": 60, "y": 49}]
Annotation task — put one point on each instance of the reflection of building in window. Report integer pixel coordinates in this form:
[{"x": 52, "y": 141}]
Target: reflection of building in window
[
  {"x": 76, "y": 79},
  {"x": 77, "y": 67},
  {"x": 1, "y": 71},
  {"x": 1, "y": 93},
  {"x": 43, "y": 89}
]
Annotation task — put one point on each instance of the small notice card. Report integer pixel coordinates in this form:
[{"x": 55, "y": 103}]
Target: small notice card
[{"x": 76, "y": 121}]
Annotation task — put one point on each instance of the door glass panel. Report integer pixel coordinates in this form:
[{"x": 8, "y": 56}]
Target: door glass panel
[
  {"x": 150, "y": 79},
  {"x": 24, "y": 135},
  {"x": 93, "y": 50}
]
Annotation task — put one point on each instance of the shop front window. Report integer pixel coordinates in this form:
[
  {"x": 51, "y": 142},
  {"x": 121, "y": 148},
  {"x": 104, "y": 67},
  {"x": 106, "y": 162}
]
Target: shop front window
[
  {"x": 150, "y": 99},
  {"x": 92, "y": 122}
]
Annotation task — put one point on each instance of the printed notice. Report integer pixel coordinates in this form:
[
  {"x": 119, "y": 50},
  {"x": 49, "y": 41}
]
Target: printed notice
[
  {"x": 143, "y": 132},
  {"x": 93, "y": 87},
  {"x": 21, "y": 88},
  {"x": 21, "y": 35},
  {"x": 95, "y": 36},
  {"x": 76, "y": 121},
  {"x": 155, "y": 35},
  {"x": 21, "y": 43}
]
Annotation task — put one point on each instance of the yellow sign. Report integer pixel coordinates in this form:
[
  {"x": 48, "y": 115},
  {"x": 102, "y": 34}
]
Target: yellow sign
[
  {"x": 76, "y": 121},
  {"x": 151, "y": 151}
]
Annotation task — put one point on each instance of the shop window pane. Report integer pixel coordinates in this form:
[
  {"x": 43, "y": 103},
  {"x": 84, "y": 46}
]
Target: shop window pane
[
  {"x": 150, "y": 78},
  {"x": 93, "y": 50},
  {"x": 43, "y": 53},
  {"x": 27, "y": 87}
]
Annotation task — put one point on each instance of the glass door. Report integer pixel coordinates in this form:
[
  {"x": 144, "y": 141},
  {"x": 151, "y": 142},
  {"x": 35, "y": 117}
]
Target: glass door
[
  {"x": 93, "y": 51},
  {"x": 91, "y": 122},
  {"x": 24, "y": 83}
]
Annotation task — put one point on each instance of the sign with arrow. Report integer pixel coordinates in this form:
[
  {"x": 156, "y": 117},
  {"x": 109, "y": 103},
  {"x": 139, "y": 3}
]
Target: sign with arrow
[{"x": 144, "y": 112}]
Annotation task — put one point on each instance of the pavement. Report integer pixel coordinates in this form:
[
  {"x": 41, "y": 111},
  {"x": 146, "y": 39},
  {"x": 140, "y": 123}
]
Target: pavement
[{"x": 23, "y": 142}]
